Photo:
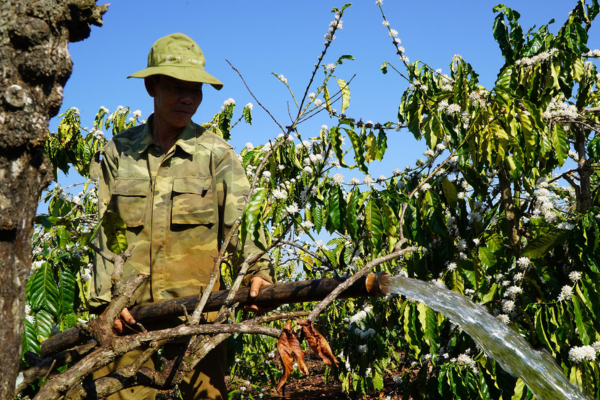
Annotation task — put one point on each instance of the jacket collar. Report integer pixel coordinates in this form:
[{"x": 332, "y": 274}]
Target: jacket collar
[{"x": 186, "y": 139}]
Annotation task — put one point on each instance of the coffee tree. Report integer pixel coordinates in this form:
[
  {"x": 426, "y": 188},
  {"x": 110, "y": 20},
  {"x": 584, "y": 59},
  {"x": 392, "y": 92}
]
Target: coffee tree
[{"x": 503, "y": 209}]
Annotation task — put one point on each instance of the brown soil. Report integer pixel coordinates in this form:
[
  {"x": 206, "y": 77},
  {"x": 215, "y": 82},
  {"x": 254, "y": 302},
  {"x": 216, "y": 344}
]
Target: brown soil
[{"x": 313, "y": 387}]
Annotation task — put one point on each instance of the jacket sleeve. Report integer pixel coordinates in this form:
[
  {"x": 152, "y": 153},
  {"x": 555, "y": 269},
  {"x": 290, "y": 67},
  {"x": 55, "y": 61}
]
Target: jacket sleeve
[
  {"x": 232, "y": 188},
  {"x": 103, "y": 171}
]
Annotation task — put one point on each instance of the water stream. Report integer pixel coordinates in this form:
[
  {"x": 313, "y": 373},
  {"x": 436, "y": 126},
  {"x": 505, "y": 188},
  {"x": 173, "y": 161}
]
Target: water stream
[{"x": 537, "y": 369}]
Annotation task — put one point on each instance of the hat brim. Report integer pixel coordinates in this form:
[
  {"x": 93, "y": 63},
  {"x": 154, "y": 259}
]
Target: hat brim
[{"x": 180, "y": 72}]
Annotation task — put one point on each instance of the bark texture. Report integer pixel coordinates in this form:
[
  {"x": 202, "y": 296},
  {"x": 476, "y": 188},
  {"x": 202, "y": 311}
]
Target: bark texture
[{"x": 34, "y": 67}]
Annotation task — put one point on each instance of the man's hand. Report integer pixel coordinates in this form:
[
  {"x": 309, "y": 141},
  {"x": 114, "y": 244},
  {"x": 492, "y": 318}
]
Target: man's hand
[
  {"x": 119, "y": 327},
  {"x": 255, "y": 284}
]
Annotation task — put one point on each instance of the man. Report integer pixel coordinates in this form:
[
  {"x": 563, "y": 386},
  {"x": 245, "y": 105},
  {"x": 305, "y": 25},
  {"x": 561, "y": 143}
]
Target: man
[{"x": 179, "y": 189}]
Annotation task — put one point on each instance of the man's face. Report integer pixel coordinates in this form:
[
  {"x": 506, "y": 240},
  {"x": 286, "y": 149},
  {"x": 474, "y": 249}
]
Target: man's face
[{"x": 175, "y": 101}]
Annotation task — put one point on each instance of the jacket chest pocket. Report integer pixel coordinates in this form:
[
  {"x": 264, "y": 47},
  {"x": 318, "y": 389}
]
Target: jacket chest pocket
[
  {"x": 193, "y": 201},
  {"x": 131, "y": 196}
]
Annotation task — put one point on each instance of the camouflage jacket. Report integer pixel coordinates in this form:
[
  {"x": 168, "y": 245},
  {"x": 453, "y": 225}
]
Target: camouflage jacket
[{"x": 178, "y": 207}]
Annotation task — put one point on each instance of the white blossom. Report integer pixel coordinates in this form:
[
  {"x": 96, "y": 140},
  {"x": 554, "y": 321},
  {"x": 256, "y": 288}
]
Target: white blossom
[
  {"x": 425, "y": 187},
  {"x": 354, "y": 181},
  {"x": 438, "y": 282},
  {"x": 453, "y": 109},
  {"x": 524, "y": 262},
  {"x": 280, "y": 194},
  {"x": 292, "y": 209},
  {"x": 508, "y": 306},
  {"x": 513, "y": 291},
  {"x": 518, "y": 277},
  {"x": 362, "y": 348},
  {"x": 249, "y": 146},
  {"x": 464, "y": 359},
  {"x": 575, "y": 276},
  {"x": 385, "y": 23},
  {"x": 368, "y": 180},
  {"x": 307, "y": 225},
  {"x": 503, "y": 318},
  {"x": 393, "y": 33},
  {"x": 565, "y": 293},
  {"x": 578, "y": 354},
  {"x": 452, "y": 266},
  {"x": 338, "y": 179}
]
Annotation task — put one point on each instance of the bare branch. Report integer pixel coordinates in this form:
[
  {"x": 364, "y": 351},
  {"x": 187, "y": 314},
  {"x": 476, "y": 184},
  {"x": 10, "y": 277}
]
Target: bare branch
[{"x": 254, "y": 97}]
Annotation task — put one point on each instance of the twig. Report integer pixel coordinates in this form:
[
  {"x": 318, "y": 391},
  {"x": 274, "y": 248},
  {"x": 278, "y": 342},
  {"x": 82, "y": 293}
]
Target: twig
[
  {"x": 255, "y": 99},
  {"x": 50, "y": 369},
  {"x": 307, "y": 251}
]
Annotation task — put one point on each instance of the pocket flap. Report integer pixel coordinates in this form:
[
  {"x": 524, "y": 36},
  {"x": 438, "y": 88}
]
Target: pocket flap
[
  {"x": 191, "y": 185},
  {"x": 131, "y": 186}
]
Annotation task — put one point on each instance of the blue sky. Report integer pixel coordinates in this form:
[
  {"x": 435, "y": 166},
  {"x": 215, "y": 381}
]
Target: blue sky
[{"x": 260, "y": 37}]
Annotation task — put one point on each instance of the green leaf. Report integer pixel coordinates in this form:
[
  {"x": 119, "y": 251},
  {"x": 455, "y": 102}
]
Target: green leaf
[
  {"x": 345, "y": 94},
  {"x": 345, "y": 56},
  {"x": 30, "y": 342},
  {"x": 327, "y": 99},
  {"x": 541, "y": 245},
  {"x": 450, "y": 192},
  {"x": 336, "y": 141},
  {"x": 247, "y": 113},
  {"x": 46, "y": 222},
  {"x": 44, "y": 292},
  {"x": 434, "y": 212},
  {"x": 428, "y": 320},
  {"x": 560, "y": 142},
  {"x": 67, "y": 291},
  {"x": 374, "y": 225},
  {"x": 501, "y": 36},
  {"x": 253, "y": 216},
  {"x": 384, "y": 68},
  {"x": 44, "y": 322},
  {"x": 377, "y": 381},
  {"x": 317, "y": 218},
  {"x": 486, "y": 256},
  {"x": 359, "y": 152},
  {"x": 585, "y": 326},
  {"x": 528, "y": 133},
  {"x": 519, "y": 388},
  {"x": 114, "y": 229},
  {"x": 371, "y": 147},
  {"x": 475, "y": 179},
  {"x": 489, "y": 296},
  {"x": 410, "y": 330},
  {"x": 541, "y": 332},
  {"x": 336, "y": 206}
]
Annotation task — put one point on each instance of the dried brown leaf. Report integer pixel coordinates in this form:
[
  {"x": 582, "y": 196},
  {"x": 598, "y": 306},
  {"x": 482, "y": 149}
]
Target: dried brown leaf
[
  {"x": 296, "y": 350},
  {"x": 289, "y": 348},
  {"x": 317, "y": 342}
]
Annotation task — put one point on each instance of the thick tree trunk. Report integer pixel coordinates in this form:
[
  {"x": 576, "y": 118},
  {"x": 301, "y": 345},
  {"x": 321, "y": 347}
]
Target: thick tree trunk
[{"x": 34, "y": 67}]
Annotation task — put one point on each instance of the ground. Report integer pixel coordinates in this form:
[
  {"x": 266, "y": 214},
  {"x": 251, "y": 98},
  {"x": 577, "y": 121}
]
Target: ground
[{"x": 314, "y": 387}]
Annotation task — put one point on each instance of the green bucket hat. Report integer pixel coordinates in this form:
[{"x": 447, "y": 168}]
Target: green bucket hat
[{"x": 177, "y": 56}]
